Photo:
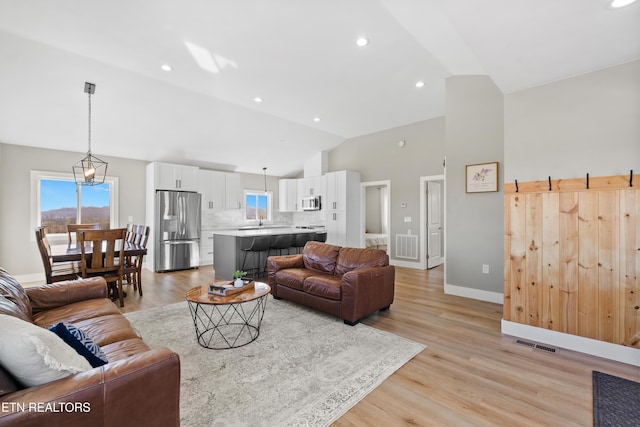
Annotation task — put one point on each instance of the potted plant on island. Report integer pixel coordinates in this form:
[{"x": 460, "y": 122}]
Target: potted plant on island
[{"x": 238, "y": 283}]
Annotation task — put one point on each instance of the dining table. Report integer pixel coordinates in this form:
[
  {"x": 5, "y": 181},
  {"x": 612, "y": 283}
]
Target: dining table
[{"x": 72, "y": 251}]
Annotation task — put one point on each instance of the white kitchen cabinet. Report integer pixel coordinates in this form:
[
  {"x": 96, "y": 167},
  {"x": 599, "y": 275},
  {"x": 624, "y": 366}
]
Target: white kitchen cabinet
[
  {"x": 212, "y": 187},
  {"x": 342, "y": 206},
  {"x": 168, "y": 176},
  {"x": 288, "y": 195},
  {"x": 311, "y": 187},
  {"x": 291, "y": 192},
  {"x": 341, "y": 187},
  {"x": 205, "y": 188},
  {"x": 206, "y": 247},
  {"x": 233, "y": 193},
  {"x": 336, "y": 225},
  {"x": 220, "y": 190}
]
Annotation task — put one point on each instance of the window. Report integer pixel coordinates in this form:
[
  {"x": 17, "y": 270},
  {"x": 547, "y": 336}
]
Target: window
[
  {"x": 257, "y": 206},
  {"x": 57, "y": 201}
]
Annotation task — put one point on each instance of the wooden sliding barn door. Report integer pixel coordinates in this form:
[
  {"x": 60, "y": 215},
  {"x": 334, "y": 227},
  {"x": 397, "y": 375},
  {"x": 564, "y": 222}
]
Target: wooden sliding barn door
[{"x": 572, "y": 257}]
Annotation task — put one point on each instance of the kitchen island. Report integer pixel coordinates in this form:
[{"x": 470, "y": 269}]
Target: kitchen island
[{"x": 228, "y": 245}]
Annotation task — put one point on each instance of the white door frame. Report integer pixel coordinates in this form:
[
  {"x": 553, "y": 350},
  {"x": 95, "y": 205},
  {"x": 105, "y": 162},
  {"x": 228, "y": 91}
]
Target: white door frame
[
  {"x": 423, "y": 217},
  {"x": 363, "y": 208}
]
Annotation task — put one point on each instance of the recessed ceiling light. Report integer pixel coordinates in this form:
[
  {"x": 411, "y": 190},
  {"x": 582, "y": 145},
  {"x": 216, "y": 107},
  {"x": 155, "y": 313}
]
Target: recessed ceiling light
[
  {"x": 621, "y": 3},
  {"x": 362, "y": 41},
  {"x": 419, "y": 83},
  {"x": 166, "y": 67},
  {"x": 316, "y": 119},
  {"x": 257, "y": 99}
]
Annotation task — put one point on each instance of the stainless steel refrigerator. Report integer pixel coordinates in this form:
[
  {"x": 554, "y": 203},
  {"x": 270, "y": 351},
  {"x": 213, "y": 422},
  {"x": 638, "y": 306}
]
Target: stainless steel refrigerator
[{"x": 177, "y": 237}]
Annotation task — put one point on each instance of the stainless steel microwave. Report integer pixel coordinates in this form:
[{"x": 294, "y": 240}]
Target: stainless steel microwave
[{"x": 311, "y": 203}]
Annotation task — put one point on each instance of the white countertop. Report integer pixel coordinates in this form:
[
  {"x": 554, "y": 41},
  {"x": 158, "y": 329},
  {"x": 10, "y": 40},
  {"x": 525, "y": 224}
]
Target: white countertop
[{"x": 264, "y": 231}]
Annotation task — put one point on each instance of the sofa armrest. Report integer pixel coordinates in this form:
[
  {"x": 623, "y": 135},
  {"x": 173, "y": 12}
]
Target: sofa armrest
[
  {"x": 367, "y": 290},
  {"x": 277, "y": 263},
  {"x": 142, "y": 390},
  {"x": 54, "y": 295}
]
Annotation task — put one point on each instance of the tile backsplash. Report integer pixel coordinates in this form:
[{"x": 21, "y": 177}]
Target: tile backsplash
[
  {"x": 235, "y": 217},
  {"x": 309, "y": 218}
]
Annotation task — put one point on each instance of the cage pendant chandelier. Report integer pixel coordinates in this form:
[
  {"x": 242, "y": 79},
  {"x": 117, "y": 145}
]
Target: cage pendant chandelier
[{"x": 91, "y": 170}]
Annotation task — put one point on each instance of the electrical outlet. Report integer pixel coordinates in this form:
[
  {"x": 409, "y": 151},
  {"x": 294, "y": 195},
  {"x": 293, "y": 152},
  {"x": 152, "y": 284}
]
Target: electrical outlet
[
  {"x": 485, "y": 268},
  {"x": 130, "y": 219}
]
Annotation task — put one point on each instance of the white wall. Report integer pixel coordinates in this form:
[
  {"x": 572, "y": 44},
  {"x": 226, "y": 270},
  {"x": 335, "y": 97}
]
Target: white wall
[
  {"x": 474, "y": 221},
  {"x": 18, "y": 251},
  {"x": 378, "y": 157},
  {"x": 586, "y": 124}
]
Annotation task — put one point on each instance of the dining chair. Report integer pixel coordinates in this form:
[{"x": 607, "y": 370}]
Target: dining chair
[
  {"x": 128, "y": 268},
  {"x": 54, "y": 272},
  {"x": 72, "y": 230},
  {"x": 104, "y": 257},
  {"x": 131, "y": 228},
  {"x": 133, "y": 265}
]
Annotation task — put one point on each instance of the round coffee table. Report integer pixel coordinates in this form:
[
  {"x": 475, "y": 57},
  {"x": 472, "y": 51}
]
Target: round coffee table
[{"x": 224, "y": 322}]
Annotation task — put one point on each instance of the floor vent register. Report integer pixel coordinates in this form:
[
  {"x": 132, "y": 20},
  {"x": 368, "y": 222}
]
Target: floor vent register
[{"x": 535, "y": 346}]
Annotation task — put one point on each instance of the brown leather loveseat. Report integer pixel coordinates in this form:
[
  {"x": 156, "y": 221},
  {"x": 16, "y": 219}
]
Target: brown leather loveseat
[
  {"x": 138, "y": 386},
  {"x": 350, "y": 283}
]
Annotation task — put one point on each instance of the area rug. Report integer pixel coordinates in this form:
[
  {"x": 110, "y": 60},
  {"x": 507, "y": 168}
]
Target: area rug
[
  {"x": 304, "y": 369},
  {"x": 616, "y": 401}
]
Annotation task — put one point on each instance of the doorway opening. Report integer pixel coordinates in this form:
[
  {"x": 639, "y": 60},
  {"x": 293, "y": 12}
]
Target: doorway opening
[{"x": 375, "y": 214}]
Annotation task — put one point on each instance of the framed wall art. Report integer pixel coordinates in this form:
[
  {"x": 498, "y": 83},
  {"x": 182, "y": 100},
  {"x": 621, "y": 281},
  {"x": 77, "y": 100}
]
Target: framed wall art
[{"x": 482, "y": 178}]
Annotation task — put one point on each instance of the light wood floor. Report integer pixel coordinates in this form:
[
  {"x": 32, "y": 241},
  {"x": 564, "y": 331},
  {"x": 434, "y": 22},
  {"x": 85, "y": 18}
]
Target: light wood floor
[{"x": 470, "y": 374}]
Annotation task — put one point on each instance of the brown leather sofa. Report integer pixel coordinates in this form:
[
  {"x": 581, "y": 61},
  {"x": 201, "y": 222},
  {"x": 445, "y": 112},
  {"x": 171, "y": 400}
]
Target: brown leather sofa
[
  {"x": 350, "y": 283},
  {"x": 138, "y": 386}
]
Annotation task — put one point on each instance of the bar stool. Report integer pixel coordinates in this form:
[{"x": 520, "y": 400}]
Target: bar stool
[
  {"x": 300, "y": 240},
  {"x": 321, "y": 237},
  {"x": 258, "y": 244},
  {"x": 281, "y": 242}
]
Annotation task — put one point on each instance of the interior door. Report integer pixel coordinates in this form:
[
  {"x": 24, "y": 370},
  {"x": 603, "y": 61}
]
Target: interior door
[{"x": 434, "y": 224}]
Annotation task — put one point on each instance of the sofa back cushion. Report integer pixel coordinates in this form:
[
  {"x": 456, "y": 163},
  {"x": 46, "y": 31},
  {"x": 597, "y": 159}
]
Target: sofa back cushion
[
  {"x": 320, "y": 256},
  {"x": 350, "y": 259},
  {"x": 13, "y": 298}
]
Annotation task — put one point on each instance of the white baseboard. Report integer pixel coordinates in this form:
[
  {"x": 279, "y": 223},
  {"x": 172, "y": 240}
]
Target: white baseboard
[
  {"x": 407, "y": 264},
  {"x": 478, "y": 294},
  {"x": 619, "y": 353}
]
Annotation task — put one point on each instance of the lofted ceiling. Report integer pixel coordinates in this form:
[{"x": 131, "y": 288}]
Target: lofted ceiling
[{"x": 299, "y": 56}]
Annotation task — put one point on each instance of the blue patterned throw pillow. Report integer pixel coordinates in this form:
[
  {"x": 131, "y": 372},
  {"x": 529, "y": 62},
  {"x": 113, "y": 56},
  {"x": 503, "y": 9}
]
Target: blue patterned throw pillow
[{"x": 81, "y": 343}]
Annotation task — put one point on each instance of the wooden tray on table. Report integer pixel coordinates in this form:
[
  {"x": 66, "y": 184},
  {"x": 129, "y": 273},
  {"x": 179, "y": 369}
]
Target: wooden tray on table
[{"x": 226, "y": 288}]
